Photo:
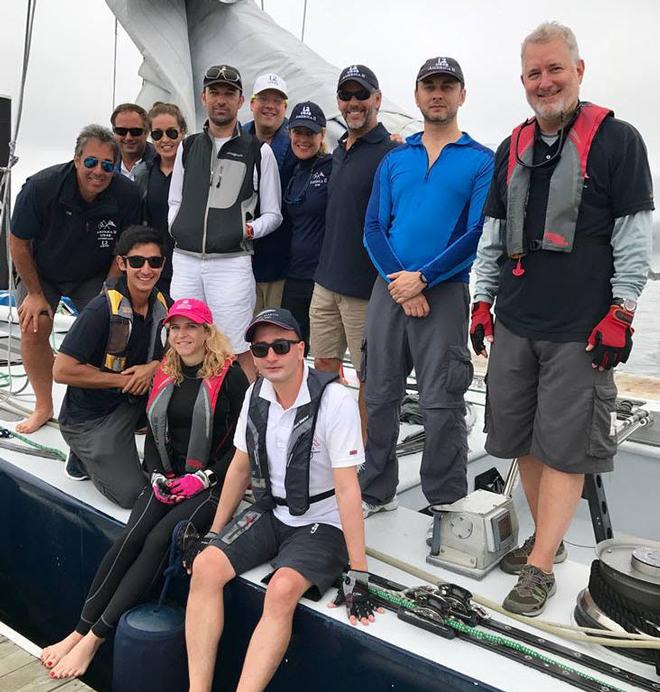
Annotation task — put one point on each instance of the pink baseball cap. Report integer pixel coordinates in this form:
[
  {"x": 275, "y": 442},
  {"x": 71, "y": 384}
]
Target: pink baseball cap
[{"x": 195, "y": 310}]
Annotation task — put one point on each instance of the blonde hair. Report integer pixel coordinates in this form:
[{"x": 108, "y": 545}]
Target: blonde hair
[{"x": 217, "y": 352}]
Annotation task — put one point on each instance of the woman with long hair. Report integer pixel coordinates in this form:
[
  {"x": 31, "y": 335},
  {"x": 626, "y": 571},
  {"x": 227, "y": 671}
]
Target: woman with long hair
[
  {"x": 167, "y": 129},
  {"x": 303, "y": 202},
  {"x": 187, "y": 463}
]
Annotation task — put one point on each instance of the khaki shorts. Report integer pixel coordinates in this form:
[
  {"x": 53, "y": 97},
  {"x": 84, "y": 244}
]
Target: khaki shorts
[
  {"x": 269, "y": 295},
  {"x": 544, "y": 398},
  {"x": 336, "y": 321}
]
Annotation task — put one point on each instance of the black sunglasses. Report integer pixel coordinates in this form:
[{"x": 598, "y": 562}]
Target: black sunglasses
[
  {"x": 93, "y": 162},
  {"x": 280, "y": 347},
  {"x": 137, "y": 261},
  {"x": 171, "y": 132},
  {"x": 222, "y": 72},
  {"x": 123, "y": 131},
  {"x": 361, "y": 95}
]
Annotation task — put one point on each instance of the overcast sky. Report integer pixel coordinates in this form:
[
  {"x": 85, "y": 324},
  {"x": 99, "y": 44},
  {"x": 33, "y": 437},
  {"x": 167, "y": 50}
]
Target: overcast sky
[{"x": 70, "y": 76}]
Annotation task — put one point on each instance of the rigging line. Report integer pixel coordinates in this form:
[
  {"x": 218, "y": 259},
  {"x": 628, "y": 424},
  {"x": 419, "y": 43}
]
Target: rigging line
[
  {"x": 114, "y": 67},
  {"x": 304, "y": 19}
]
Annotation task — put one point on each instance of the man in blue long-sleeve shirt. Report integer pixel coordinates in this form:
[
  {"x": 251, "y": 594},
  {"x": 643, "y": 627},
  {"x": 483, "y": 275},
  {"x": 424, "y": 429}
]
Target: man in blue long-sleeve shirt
[{"x": 422, "y": 227}]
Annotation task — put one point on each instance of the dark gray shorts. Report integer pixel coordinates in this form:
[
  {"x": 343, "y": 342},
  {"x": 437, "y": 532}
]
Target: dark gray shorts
[
  {"x": 317, "y": 551},
  {"x": 545, "y": 399},
  {"x": 80, "y": 292}
]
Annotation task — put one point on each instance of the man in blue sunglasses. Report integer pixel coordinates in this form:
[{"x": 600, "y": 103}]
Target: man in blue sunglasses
[{"x": 66, "y": 221}]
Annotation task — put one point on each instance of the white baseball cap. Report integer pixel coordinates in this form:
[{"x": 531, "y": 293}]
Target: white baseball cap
[{"x": 269, "y": 81}]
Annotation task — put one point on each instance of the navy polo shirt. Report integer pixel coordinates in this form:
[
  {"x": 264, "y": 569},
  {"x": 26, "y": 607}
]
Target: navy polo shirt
[
  {"x": 561, "y": 296},
  {"x": 304, "y": 202},
  {"x": 73, "y": 240},
  {"x": 270, "y": 261},
  {"x": 344, "y": 265}
]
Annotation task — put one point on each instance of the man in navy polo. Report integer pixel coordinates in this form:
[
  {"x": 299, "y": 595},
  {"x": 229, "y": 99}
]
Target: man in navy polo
[
  {"x": 345, "y": 275},
  {"x": 66, "y": 221},
  {"x": 422, "y": 228},
  {"x": 270, "y": 261}
]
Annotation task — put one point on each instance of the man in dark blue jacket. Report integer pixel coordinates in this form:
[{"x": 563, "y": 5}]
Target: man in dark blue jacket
[
  {"x": 270, "y": 261},
  {"x": 422, "y": 227}
]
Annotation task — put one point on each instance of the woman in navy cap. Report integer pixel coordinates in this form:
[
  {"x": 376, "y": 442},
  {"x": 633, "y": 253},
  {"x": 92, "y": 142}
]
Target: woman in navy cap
[
  {"x": 187, "y": 460},
  {"x": 304, "y": 201}
]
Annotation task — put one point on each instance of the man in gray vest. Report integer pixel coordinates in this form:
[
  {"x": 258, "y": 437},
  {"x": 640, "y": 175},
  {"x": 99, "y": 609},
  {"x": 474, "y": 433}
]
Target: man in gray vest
[
  {"x": 566, "y": 251},
  {"x": 213, "y": 220},
  {"x": 307, "y": 518}
]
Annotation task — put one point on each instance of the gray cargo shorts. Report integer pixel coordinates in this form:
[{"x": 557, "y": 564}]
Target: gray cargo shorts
[{"x": 544, "y": 398}]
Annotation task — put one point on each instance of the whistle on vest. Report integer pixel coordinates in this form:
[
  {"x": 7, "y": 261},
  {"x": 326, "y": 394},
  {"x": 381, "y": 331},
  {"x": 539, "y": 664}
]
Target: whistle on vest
[{"x": 518, "y": 270}]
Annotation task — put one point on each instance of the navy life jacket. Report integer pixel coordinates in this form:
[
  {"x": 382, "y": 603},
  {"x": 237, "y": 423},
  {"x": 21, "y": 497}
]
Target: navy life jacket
[{"x": 299, "y": 448}]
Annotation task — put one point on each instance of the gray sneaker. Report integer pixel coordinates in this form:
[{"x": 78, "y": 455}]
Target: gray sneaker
[
  {"x": 368, "y": 509},
  {"x": 515, "y": 560},
  {"x": 530, "y": 595}
]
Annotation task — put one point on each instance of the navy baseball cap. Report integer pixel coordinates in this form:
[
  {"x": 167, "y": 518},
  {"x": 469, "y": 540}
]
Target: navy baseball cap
[
  {"x": 360, "y": 74},
  {"x": 441, "y": 66},
  {"x": 307, "y": 114},
  {"x": 277, "y": 316},
  {"x": 223, "y": 74}
]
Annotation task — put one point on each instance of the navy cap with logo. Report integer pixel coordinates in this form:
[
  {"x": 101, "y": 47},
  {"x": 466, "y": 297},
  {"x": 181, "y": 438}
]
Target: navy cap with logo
[
  {"x": 441, "y": 66},
  {"x": 223, "y": 74},
  {"x": 307, "y": 114},
  {"x": 277, "y": 316},
  {"x": 360, "y": 74}
]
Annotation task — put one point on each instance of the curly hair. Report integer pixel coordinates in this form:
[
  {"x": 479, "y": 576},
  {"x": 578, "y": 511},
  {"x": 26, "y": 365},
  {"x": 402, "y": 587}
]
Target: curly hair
[{"x": 217, "y": 351}]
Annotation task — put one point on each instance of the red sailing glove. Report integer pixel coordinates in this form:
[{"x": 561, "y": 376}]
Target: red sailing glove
[
  {"x": 481, "y": 326},
  {"x": 189, "y": 484},
  {"x": 611, "y": 338}
]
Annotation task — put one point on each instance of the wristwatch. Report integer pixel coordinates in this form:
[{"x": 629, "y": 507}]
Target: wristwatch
[
  {"x": 628, "y": 304},
  {"x": 213, "y": 479},
  {"x": 423, "y": 279}
]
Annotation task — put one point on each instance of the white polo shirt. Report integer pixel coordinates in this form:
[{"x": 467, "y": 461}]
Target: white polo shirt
[{"x": 337, "y": 443}]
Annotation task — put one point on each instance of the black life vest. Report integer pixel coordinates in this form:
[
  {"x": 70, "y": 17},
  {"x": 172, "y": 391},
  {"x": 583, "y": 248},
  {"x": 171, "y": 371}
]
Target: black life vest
[{"x": 299, "y": 447}]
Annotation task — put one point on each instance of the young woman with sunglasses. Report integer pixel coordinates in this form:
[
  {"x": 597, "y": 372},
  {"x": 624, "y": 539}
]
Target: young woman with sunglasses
[
  {"x": 167, "y": 128},
  {"x": 187, "y": 467},
  {"x": 303, "y": 202}
]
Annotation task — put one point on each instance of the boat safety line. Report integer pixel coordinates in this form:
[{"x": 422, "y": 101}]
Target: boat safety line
[{"x": 37, "y": 448}]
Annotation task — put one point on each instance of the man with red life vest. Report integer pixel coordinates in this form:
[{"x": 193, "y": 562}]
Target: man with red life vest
[{"x": 566, "y": 251}]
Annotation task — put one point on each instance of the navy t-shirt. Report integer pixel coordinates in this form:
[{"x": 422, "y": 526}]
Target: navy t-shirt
[
  {"x": 73, "y": 240},
  {"x": 86, "y": 342},
  {"x": 344, "y": 265},
  {"x": 562, "y": 296},
  {"x": 304, "y": 202},
  {"x": 155, "y": 213}
]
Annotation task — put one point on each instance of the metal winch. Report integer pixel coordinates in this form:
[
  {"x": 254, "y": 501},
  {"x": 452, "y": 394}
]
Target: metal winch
[{"x": 473, "y": 534}]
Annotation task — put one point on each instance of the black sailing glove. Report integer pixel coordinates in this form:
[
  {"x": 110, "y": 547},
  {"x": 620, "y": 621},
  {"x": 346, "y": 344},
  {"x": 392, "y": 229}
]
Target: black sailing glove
[
  {"x": 190, "y": 544},
  {"x": 354, "y": 592}
]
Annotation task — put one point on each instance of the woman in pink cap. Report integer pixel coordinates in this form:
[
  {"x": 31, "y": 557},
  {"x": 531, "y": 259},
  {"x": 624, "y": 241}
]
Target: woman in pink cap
[{"x": 187, "y": 463}]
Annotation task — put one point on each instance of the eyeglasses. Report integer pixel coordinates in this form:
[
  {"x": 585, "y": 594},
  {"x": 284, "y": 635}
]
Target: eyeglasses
[
  {"x": 361, "y": 95},
  {"x": 222, "y": 72},
  {"x": 171, "y": 132},
  {"x": 137, "y": 261},
  {"x": 280, "y": 347},
  {"x": 93, "y": 162},
  {"x": 123, "y": 131}
]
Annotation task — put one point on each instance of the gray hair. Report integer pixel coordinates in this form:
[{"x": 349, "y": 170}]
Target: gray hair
[
  {"x": 548, "y": 31},
  {"x": 99, "y": 133}
]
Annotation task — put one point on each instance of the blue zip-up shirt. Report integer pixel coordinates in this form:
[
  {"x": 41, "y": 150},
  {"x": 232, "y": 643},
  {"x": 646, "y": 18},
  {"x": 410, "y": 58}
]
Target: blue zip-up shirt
[{"x": 428, "y": 219}]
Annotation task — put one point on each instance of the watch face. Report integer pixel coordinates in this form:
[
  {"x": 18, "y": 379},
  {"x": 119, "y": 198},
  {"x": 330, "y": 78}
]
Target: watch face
[{"x": 630, "y": 305}]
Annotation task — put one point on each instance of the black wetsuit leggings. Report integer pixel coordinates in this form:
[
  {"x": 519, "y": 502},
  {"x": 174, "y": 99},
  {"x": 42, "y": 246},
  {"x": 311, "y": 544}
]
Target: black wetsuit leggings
[{"x": 138, "y": 557}]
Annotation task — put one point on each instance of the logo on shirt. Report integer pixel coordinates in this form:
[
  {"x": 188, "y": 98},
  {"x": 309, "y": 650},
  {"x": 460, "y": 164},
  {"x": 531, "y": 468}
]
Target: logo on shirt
[
  {"x": 106, "y": 233},
  {"x": 318, "y": 179},
  {"x": 235, "y": 154},
  {"x": 316, "y": 445},
  {"x": 353, "y": 453}
]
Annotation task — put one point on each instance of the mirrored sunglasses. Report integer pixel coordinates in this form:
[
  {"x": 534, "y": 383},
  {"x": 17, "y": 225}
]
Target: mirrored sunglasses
[{"x": 93, "y": 162}]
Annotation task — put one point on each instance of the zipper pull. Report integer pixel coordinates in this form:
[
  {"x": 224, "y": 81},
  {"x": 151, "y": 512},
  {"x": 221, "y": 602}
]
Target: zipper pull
[{"x": 518, "y": 270}]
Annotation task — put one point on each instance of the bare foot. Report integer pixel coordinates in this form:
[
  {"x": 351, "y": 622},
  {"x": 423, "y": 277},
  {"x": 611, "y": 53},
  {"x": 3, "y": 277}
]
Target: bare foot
[
  {"x": 52, "y": 654},
  {"x": 34, "y": 421},
  {"x": 75, "y": 663}
]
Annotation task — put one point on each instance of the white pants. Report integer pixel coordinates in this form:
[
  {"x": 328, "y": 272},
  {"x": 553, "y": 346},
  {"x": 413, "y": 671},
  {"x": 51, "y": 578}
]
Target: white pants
[{"x": 225, "y": 284}]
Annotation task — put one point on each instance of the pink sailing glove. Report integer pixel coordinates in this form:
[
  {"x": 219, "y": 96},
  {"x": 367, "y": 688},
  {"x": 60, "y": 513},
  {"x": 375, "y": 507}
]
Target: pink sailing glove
[{"x": 189, "y": 484}]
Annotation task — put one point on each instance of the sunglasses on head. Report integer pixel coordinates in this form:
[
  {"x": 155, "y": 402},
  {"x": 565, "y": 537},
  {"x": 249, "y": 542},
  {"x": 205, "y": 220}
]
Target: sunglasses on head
[
  {"x": 123, "y": 131},
  {"x": 137, "y": 261},
  {"x": 280, "y": 347},
  {"x": 361, "y": 95},
  {"x": 171, "y": 132},
  {"x": 222, "y": 72},
  {"x": 93, "y": 162}
]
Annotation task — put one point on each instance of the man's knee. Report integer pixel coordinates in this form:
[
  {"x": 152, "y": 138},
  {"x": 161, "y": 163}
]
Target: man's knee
[
  {"x": 327, "y": 364},
  {"x": 211, "y": 569},
  {"x": 284, "y": 591},
  {"x": 30, "y": 338}
]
